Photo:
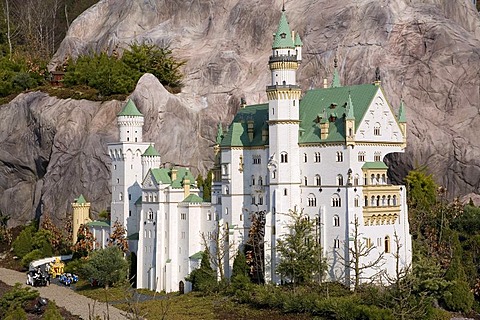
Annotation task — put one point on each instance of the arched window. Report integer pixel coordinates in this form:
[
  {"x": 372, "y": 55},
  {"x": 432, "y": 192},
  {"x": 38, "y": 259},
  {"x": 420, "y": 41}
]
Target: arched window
[
  {"x": 284, "y": 157},
  {"x": 312, "y": 200},
  {"x": 305, "y": 181},
  {"x": 339, "y": 180},
  {"x": 305, "y": 158},
  {"x": 376, "y": 129},
  {"x": 377, "y": 156},
  {"x": 387, "y": 244},
  {"x": 285, "y": 192},
  {"x": 384, "y": 179},
  {"x": 318, "y": 157},
  {"x": 209, "y": 215},
  {"x": 150, "y": 214},
  {"x": 356, "y": 202},
  {"x": 372, "y": 201},
  {"x": 355, "y": 180},
  {"x": 384, "y": 201},
  {"x": 120, "y": 196},
  {"x": 260, "y": 181},
  {"x": 336, "y": 201},
  {"x": 378, "y": 201},
  {"x": 389, "y": 203},
  {"x": 226, "y": 210},
  {"x": 372, "y": 179},
  {"x": 394, "y": 200},
  {"x": 318, "y": 180},
  {"x": 366, "y": 201},
  {"x": 361, "y": 156},
  {"x": 260, "y": 200},
  {"x": 253, "y": 180},
  {"x": 336, "y": 221},
  {"x": 227, "y": 190}
]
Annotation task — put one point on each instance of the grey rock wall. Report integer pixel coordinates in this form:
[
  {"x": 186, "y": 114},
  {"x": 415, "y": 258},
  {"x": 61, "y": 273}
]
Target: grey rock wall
[{"x": 428, "y": 51}]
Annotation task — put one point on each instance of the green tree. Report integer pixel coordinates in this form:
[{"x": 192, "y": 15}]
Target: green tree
[
  {"x": 16, "y": 297},
  {"x": 300, "y": 254},
  {"x": 146, "y": 58},
  {"x": 240, "y": 272},
  {"x": 204, "y": 278},
  {"x": 108, "y": 266},
  {"x": 16, "y": 313},
  {"x": 23, "y": 244},
  {"x": 51, "y": 312}
]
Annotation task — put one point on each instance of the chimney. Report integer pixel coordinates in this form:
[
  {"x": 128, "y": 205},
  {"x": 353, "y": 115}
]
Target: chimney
[
  {"x": 174, "y": 174},
  {"x": 186, "y": 186},
  {"x": 325, "y": 83}
]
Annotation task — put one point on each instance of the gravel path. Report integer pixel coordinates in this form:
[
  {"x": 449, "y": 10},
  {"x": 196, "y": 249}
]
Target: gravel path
[{"x": 65, "y": 297}]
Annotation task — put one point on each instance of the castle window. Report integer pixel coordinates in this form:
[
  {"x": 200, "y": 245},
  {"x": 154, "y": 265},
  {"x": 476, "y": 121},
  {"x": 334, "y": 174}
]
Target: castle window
[
  {"x": 378, "y": 201},
  {"x": 394, "y": 200},
  {"x": 253, "y": 180},
  {"x": 318, "y": 180},
  {"x": 274, "y": 174},
  {"x": 336, "y": 243},
  {"x": 376, "y": 129},
  {"x": 339, "y": 156},
  {"x": 305, "y": 158},
  {"x": 368, "y": 243},
  {"x": 253, "y": 200},
  {"x": 260, "y": 200},
  {"x": 118, "y": 180},
  {"x": 209, "y": 216},
  {"x": 339, "y": 180},
  {"x": 284, "y": 157},
  {"x": 183, "y": 216},
  {"x": 227, "y": 190},
  {"x": 114, "y": 167},
  {"x": 129, "y": 213},
  {"x": 318, "y": 157},
  {"x": 226, "y": 211},
  {"x": 312, "y": 201},
  {"x": 129, "y": 196},
  {"x": 336, "y": 201},
  {"x": 387, "y": 244},
  {"x": 285, "y": 192},
  {"x": 366, "y": 201},
  {"x": 377, "y": 156},
  {"x": 355, "y": 180},
  {"x": 120, "y": 196},
  {"x": 356, "y": 201},
  {"x": 150, "y": 214},
  {"x": 150, "y": 233},
  {"x": 260, "y": 181},
  {"x": 336, "y": 221},
  {"x": 361, "y": 156},
  {"x": 257, "y": 159},
  {"x": 384, "y": 201},
  {"x": 305, "y": 181},
  {"x": 372, "y": 201},
  {"x": 128, "y": 138}
]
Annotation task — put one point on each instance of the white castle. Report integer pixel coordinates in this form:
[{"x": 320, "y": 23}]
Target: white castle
[{"x": 320, "y": 152}]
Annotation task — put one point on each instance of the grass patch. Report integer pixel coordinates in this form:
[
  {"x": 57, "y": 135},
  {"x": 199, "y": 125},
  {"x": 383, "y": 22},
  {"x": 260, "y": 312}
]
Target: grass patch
[{"x": 98, "y": 293}]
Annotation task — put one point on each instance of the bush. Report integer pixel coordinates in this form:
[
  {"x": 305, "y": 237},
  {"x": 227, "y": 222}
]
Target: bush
[
  {"x": 107, "y": 266},
  {"x": 16, "y": 297},
  {"x": 32, "y": 256},
  {"x": 23, "y": 244},
  {"x": 16, "y": 313},
  {"x": 51, "y": 312},
  {"x": 204, "y": 279},
  {"x": 458, "y": 297}
]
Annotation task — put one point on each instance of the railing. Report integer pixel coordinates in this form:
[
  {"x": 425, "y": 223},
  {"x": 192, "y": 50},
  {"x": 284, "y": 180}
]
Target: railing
[
  {"x": 283, "y": 86},
  {"x": 285, "y": 58}
]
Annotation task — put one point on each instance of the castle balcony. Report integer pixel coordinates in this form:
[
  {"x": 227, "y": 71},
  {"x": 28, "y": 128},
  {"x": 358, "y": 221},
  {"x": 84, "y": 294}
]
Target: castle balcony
[
  {"x": 258, "y": 189},
  {"x": 283, "y": 87},
  {"x": 283, "y": 58},
  {"x": 383, "y": 215}
]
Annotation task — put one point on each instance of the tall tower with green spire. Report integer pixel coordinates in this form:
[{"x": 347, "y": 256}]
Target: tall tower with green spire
[
  {"x": 283, "y": 118},
  {"x": 127, "y": 169}
]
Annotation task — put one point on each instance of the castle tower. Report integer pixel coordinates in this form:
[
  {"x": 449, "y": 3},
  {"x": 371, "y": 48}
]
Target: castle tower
[
  {"x": 150, "y": 159},
  {"x": 81, "y": 215},
  {"x": 402, "y": 121},
  {"x": 283, "y": 103},
  {"x": 350, "y": 123},
  {"x": 127, "y": 168}
]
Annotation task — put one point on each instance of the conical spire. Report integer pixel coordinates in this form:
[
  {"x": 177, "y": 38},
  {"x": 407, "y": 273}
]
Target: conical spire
[
  {"x": 336, "y": 77},
  {"x": 81, "y": 200},
  {"x": 283, "y": 36},
  {"x": 402, "y": 117},
  {"x": 130, "y": 109},
  {"x": 219, "y": 134},
  {"x": 298, "y": 41},
  {"x": 350, "y": 113},
  {"x": 151, "y": 152}
]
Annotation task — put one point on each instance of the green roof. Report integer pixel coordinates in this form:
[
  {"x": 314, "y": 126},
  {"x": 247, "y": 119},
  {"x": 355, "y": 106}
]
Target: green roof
[
  {"x": 197, "y": 256},
  {"x": 283, "y": 36},
  {"x": 151, "y": 152},
  {"x": 316, "y": 105},
  {"x": 375, "y": 165},
  {"x": 130, "y": 109},
  {"x": 193, "y": 198},
  {"x": 163, "y": 176},
  {"x": 298, "y": 41},
  {"x": 99, "y": 223},
  {"x": 81, "y": 200},
  {"x": 402, "y": 117}
]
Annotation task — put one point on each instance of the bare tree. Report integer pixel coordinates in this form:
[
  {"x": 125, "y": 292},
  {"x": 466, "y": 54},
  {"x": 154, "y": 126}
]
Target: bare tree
[
  {"x": 222, "y": 247},
  {"x": 360, "y": 258}
]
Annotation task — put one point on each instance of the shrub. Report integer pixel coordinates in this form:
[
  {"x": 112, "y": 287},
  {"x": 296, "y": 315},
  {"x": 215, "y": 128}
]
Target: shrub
[
  {"x": 204, "y": 278},
  {"x": 16, "y": 297},
  {"x": 32, "y": 256},
  {"x": 458, "y": 297},
  {"x": 16, "y": 313},
  {"x": 23, "y": 243},
  {"x": 51, "y": 312},
  {"x": 108, "y": 266}
]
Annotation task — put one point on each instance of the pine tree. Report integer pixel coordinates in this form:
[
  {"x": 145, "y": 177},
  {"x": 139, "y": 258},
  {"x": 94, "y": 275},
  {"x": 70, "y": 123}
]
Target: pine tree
[
  {"x": 204, "y": 278},
  {"x": 51, "y": 312}
]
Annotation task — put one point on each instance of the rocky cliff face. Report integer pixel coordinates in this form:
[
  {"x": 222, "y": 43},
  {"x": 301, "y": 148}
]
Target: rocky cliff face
[{"x": 428, "y": 52}]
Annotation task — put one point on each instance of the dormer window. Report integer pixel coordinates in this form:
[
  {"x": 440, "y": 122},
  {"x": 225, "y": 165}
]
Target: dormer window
[{"x": 283, "y": 35}]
